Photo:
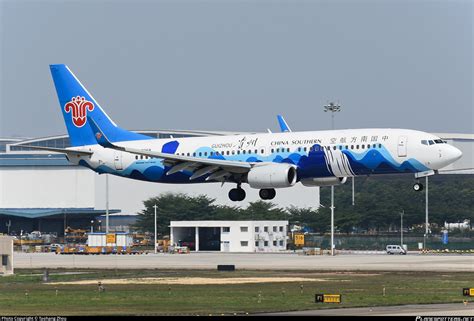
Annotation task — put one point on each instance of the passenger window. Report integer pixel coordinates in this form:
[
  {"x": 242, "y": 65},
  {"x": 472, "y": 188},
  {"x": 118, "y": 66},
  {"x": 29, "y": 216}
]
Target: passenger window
[
  {"x": 272, "y": 150},
  {"x": 363, "y": 146},
  {"x": 200, "y": 154},
  {"x": 287, "y": 150},
  {"x": 262, "y": 151},
  {"x": 380, "y": 145},
  {"x": 340, "y": 147},
  {"x": 357, "y": 146},
  {"x": 352, "y": 146},
  {"x": 136, "y": 156},
  {"x": 305, "y": 149},
  {"x": 243, "y": 152},
  {"x": 334, "y": 147},
  {"x": 299, "y": 149}
]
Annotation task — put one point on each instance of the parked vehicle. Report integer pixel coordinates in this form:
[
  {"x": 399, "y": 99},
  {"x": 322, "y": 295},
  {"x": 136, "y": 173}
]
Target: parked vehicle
[{"x": 395, "y": 249}]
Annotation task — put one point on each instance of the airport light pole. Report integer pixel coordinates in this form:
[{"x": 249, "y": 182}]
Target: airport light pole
[
  {"x": 333, "y": 108},
  {"x": 106, "y": 203},
  {"x": 401, "y": 227},
  {"x": 155, "y": 207},
  {"x": 426, "y": 212}
]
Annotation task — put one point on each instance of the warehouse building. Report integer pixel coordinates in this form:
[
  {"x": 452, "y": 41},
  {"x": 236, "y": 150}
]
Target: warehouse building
[{"x": 230, "y": 236}]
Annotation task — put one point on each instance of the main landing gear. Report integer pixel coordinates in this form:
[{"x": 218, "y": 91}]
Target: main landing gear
[
  {"x": 418, "y": 187},
  {"x": 267, "y": 193},
  {"x": 237, "y": 194}
]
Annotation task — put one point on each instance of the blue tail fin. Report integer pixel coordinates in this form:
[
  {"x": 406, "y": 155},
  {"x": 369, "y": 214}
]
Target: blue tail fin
[{"x": 77, "y": 104}]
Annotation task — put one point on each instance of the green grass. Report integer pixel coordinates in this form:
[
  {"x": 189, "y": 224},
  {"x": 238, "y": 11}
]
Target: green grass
[{"x": 357, "y": 289}]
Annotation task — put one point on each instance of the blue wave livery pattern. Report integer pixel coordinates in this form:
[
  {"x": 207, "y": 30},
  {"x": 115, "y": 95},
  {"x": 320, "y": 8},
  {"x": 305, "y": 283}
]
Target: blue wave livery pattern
[{"x": 318, "y": 162}]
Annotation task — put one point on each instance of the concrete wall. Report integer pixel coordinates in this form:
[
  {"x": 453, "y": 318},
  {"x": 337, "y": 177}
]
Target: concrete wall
[{"x": 6, "y": 249}]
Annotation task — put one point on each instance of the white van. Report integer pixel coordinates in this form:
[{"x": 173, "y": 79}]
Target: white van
[{"x": 395, "y": 249}]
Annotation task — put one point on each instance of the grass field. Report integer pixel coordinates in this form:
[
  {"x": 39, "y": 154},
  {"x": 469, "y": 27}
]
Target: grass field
[{"x": 26, "y": 294}]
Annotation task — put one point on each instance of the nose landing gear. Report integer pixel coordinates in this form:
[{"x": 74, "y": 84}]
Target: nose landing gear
[{"x": 418, "y": 187}]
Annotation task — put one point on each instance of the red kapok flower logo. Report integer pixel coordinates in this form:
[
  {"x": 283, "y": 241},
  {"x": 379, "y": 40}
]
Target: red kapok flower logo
[{"x": 78, "y": 107}]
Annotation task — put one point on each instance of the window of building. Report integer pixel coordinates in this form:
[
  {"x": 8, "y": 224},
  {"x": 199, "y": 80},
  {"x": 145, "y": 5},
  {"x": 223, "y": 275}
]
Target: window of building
[
  {"x": 274, "y": 243},
  {"x": 226, "y": 229},
  {"x": 265, "y": 228},
  {"x": 281, "y": 243},
  {"x": 281, "y": 228},
  {"x": 257, "y": 229},
  {"x": 244, "y": 243},
  {"x": 275, "y": 229},
  {"x": 265, "y": 243},
  {"x": 244, "y": 229},
  {"x": 256, "y": 243}
]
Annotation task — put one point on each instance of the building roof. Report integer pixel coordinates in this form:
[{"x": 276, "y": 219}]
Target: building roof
[{"x": 45, "y": 212}]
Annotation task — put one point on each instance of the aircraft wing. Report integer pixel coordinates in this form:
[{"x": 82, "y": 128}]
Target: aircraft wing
[
  {"x": 218, "y": 169},
  {"x": 60, "y": 150}
]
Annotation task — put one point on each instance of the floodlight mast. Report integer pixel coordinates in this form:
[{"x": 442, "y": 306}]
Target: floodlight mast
[{"x": 333, "y": 108}]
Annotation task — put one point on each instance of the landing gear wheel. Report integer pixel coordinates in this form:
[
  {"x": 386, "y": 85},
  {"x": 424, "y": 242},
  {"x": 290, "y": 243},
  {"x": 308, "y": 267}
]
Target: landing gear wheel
[
  {"x": 418, "y": 187},
  {"x": 267, "y": 193},
  {"x": 237, "y": 194}
]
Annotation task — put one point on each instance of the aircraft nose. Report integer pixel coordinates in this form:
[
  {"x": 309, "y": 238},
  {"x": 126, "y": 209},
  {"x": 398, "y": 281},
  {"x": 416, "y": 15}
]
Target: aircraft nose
[{"x": 453, "y": 154}]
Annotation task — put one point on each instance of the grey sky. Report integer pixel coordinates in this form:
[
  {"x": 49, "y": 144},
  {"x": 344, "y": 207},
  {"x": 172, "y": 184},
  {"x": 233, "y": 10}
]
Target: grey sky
[{"x": 233, "y": 65}]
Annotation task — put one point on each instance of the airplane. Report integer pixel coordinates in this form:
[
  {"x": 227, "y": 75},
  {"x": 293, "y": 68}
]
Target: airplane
[{"x": 264, "y": 161}]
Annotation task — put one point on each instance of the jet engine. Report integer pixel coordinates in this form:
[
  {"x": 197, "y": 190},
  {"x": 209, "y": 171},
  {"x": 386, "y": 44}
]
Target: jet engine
[
  {"x": 323, "y": 181},
  {"x": 272, "y": 176}
]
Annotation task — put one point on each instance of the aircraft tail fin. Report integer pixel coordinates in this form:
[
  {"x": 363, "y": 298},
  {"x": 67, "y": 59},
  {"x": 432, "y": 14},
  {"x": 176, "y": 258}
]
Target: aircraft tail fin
[{"x": 77, "y": 104}]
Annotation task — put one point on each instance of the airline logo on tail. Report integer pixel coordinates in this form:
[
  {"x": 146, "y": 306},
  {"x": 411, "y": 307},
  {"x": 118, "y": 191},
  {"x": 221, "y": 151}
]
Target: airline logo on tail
[{"x": 78, "y": 106}]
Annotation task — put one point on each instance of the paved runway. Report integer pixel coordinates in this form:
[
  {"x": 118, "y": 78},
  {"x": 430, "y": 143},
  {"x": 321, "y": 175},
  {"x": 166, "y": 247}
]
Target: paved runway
[
  {"x": 254, "y": 261},
  {"x": 451, "y": 309}
]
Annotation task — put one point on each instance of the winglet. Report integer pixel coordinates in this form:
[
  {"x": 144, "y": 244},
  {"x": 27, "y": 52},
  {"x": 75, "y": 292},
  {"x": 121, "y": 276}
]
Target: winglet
[
  {"x": 99, "y": 135},
  {"x": 283, "y": 125}
]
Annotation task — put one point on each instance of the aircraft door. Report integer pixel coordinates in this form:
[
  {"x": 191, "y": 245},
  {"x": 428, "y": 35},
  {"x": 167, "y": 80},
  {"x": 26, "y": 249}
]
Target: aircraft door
[
  {"x": 118, "y": 160},
  {"x": 402, "y": 146}
]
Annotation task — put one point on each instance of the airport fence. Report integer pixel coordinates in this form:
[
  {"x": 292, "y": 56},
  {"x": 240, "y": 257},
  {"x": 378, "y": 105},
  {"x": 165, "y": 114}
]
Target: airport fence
[{"x": 379, "y": 242}]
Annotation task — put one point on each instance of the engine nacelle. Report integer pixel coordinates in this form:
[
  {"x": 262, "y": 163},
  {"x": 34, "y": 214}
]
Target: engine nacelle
[
  {"x": 323, "y": 181},
  {"x": 272, "y": 176}
]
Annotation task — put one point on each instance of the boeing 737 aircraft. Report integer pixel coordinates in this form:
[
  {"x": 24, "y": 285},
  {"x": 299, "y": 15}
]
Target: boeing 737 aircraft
[{"x": 266, "y": 161}]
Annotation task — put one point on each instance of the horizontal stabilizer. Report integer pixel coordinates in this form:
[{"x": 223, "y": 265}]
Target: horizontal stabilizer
[{"x": 60, "y": 150}]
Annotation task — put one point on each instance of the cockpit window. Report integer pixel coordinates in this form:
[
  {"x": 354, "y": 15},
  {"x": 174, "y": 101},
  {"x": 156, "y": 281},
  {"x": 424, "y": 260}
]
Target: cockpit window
[
  {"x": 424, "y": 142},
  {"x": 439, "y": 141},
  {"x": 431, "y": 142}
]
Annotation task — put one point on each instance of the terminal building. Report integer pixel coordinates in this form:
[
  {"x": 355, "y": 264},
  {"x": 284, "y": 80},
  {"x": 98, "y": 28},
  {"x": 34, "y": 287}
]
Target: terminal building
[{"x": 42, "y": 191}]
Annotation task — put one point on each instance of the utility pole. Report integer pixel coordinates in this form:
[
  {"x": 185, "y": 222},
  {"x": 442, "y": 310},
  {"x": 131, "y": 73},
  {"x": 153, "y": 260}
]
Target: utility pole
[
  {"x": 155, "y": 207},
  {"x": 333, "y": 108}
]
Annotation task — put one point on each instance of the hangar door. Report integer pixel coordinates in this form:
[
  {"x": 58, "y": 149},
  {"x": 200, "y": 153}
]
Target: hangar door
[{"x": 209, "y": 239}]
